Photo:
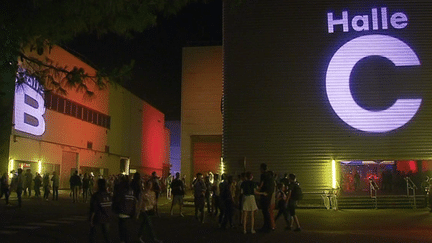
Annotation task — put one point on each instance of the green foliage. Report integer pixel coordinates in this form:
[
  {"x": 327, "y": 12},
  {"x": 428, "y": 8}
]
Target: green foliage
[{"x": 39, "y": 24}]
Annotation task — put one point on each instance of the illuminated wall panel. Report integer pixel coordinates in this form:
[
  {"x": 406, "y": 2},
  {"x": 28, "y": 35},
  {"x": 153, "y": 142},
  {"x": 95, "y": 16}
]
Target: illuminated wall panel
[
  {"x": 206, "y": 154},
  {"x": 120, "y": 135},
  {"x": 306, "y": 83},
  {"x": 201, "y": 100},
  {"x": 153, "y": 153}
]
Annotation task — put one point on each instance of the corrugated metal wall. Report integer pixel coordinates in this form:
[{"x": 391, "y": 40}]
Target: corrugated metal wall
[{"x": 276, "y": 110}]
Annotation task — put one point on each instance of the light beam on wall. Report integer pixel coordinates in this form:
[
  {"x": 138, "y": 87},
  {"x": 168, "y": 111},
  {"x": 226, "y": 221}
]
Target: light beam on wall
[
  {"x": 222, "y": 166},
  {"x": 334, "y": 180},
  {"x": 39, "y": 166},
  {"x": 11, "y": 165}
]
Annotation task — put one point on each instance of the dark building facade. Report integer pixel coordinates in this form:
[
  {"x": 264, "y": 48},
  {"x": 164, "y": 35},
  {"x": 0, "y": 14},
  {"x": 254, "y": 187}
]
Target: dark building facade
[{"x": 311, "y": 84}]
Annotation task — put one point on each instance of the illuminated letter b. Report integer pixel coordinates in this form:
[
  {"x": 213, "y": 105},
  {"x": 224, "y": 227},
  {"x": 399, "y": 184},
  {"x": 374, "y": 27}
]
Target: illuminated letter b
[{"x": 29, "y": 108}]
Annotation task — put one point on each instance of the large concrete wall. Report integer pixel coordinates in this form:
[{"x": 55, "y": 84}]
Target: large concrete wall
[{"x": 201, "y": 99}]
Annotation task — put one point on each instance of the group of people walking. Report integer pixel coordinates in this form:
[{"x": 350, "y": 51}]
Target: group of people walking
[
  {"x": 231, "y": 201},
  {"x": 225, "y": 196},
  {"x": 131, "y": 199},
  {"x": 21, "y": 183}
]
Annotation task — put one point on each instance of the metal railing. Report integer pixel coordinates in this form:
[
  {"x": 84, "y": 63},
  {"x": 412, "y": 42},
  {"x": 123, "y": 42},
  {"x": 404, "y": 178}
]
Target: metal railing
[
  {"x": 373, "y": 188},
  {"x": 330, "y": 198},
  {"x": 411, "y": 187}
]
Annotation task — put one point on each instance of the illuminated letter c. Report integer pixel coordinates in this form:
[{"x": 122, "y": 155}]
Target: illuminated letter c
[{"x": 338, "y": 87}]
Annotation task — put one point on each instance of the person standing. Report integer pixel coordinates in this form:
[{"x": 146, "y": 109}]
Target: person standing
[
  {"x": 227, "y": 195},
  {"x": 199, "y": 195},
  {"x": 75, "y": 183},
  {"x": 266, "y": 188},
  {"x": 146, "y": 206},
  {"x": 28, "y": 178},
  {"x": 168, "y": 182},
  {"x": 157, "y": 189},
  {"x": 85, "y": 187},
  {"x": 46, "y": 186},
  {"x": 239, "y": 197},
  {"x": 37, "y": 184},
  {"x": 100, "y": 212},
  {"x": 55, "y": 185},
  {"x": 178, "y": 191},
  {"x": 272, "y": 200},
  {"x": 136, "y": 185},
  {"x": 248, "y": 191},
  {"x": 4, "y": 190},
  {"x": 293, "y": 191},
  {"x": 19, "y": 186},
  {"x": 124, "y": 204},
  {"x": 208, "y": 194},
  {"x": 281, "y": 200},
  {"x": 215, "y": 194}
]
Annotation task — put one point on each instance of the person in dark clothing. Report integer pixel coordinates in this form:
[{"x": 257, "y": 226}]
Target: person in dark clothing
[
  {"x": 37, "y": 184},
  {"x": 285, "y": 180},
  {"x": 4, "y": 190},
  {"x": 55, "y": 185},
  {"x": 282, "y": 203},
  {"x": 208, "y": 193},
  {"x": 178, "y": 191},
  {"x": 266, "y": 187},
  {"x": 136, "y": 185},
  {"x": 86, "y": 187},
  {"x": 100, "y": 212},
  {"x": 46, "y": 186},
  {"x": 221, "y": 203},
  {"x": 75, "y": 183},
  {"x": 199, "y": 196},
  {"x": 124, "y": 204},
  {"x": 215, "y": 195},
  {"x": 292, "y": 203},
  {"x": 227, "y": 196},
  {"x": 20, "y": 186},
  {"x": 28, "y": 178}
]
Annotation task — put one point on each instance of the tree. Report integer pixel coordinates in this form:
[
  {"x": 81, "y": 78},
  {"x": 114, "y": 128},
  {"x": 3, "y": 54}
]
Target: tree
[{"x": 40, "y": 24}]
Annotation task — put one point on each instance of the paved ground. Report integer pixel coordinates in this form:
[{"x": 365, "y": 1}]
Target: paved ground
[{"x": 63, "y": 221}]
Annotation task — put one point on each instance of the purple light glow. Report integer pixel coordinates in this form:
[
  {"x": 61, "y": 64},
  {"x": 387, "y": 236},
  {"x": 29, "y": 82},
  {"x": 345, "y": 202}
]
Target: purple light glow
[
  {"x": 35, "y": 110},
  {"x": 338, "y": 83}
]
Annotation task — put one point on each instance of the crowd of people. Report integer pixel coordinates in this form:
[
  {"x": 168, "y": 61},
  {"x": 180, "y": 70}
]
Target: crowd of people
[
  {"x": 233, "y": 201},
  {"x": 24, "y": 183},
  {"x": 230, "y": 201}
]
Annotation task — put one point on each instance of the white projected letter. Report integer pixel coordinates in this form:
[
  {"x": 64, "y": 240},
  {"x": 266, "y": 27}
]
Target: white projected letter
[
  {"x": 332, "y": 22},
  {"x": 22, "y": 109},
  {"x": 338, "y": 83}
]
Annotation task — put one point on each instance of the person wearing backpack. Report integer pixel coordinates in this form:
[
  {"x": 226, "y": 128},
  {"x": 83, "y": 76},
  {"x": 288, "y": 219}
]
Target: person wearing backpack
[
  {"x": 294, "y": 194},
  {"x": 100, "y": 212},
  {"x": 124, "y": 205},
  {"x": 282, "y": 204}
]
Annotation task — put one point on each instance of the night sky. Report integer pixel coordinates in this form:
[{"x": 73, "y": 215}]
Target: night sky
[{"x": 156, "y": 77}]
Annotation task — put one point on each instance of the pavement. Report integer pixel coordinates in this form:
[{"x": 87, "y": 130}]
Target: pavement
[{"x": 64, "y": 221}]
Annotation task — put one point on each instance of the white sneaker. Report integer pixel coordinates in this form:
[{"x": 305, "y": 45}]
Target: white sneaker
[{"x": 253, "y": 231}]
